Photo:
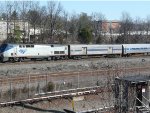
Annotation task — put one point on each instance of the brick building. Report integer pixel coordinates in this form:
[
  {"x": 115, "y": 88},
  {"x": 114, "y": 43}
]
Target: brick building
[{"x": 110, "y": 26}]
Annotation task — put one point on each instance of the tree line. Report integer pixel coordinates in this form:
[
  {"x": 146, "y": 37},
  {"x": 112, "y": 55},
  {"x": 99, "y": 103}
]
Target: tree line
[{"x": 58, "y": 26}]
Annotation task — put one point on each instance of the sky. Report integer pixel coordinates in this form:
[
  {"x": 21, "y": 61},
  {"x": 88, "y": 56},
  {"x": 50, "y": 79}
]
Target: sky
[{"x": 112, "y": 10}]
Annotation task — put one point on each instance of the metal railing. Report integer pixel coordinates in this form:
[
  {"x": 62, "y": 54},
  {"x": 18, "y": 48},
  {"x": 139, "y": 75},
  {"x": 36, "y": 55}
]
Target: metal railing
[{"x": 144, "y": 105}]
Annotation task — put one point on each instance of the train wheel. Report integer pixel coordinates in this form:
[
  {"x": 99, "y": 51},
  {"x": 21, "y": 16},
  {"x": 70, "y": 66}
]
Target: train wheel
[
  {"x": 65, "y": 58},
  {"x": 55, "y": 58},
  {"x": 1, "y": 60},
  {"x": 16, "y": 59},
  {"x": 10, "y": 59},
  {"x": 49, "y": 58},
  {"x": 33, "y": 59},
  {"x": 20, "y": 59}
]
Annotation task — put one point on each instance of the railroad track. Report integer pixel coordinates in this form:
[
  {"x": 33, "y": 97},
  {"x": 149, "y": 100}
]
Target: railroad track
[
  {"x": 56, "y": 95},
  {"x": 51, "y": 61},
  {"x": 69, "y": 60},
  {"x": 47, "y": 76}
]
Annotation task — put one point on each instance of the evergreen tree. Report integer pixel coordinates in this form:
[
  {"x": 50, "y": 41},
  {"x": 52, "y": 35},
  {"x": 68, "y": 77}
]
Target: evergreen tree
[{"x": 85, "y": 36}]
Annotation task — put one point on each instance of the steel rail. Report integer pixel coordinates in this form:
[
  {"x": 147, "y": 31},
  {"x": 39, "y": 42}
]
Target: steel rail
[
  {"x": 68, "y": 94},
  {"x": 37, "y": 77}
]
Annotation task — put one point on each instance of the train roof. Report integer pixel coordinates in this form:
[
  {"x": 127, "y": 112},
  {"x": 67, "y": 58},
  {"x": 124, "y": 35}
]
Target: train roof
[{"x": 33, "y": 44}]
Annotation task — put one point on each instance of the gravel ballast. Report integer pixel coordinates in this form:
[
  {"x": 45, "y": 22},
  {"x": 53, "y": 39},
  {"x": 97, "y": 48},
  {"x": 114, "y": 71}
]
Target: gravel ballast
[{"x": 76, "y": 65}]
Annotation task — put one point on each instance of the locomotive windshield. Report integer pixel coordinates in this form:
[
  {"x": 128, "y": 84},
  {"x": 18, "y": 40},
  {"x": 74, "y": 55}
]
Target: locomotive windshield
[{"x": 2, "y": 48}]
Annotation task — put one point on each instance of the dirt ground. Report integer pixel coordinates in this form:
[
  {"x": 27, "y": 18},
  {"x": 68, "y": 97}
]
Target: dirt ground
[{"x": 89, "y": 102}]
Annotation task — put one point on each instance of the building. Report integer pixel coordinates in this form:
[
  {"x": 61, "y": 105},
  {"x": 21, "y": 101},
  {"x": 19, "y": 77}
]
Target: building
[
  {"x": 3, "y": 30},
  {"x": 7, "y": 29},
  {"x": 110, "y": 26}
]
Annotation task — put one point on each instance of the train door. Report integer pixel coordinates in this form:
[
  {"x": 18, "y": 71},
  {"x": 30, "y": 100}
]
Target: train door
[
  {"x": 15, "y": 52},
  {"x": 123, "y": 50},
  {"x": 110, "y": 50},
  {"x": 84, "y": 50}
]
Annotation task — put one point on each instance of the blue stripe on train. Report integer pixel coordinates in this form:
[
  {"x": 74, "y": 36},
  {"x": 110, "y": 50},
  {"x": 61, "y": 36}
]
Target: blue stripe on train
[
  {"x": 6, "y": 47},
  {"x": 101, "y": 49},
  {"x": 95, "y": 50}
]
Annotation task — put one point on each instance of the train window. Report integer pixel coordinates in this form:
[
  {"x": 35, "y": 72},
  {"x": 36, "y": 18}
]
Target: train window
[
  {"x": 3, "y": 47},
  {"x": 23, "y": 46},
  {"x": 20, "y": 46},
  {"x": 52, "y": 45},
  {"x": 27, "y": 46},
  {"x": 56, "y": 52},
  {"x": 62, "y": 52},
  {"x": 32, "y": 45}
]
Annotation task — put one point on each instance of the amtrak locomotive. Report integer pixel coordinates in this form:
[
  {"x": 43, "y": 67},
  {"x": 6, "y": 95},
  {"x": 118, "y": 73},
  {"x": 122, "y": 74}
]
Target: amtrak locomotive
[{"x": 20, "y": 52}]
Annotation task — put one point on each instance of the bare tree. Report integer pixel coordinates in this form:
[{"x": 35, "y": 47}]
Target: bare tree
[
  {"x": 97, "y": 20},
  {"x": 147, "y": 28},
  {"x": 54, "y": 11},
  {"x": 73, "y": 27},
  {"x": 126, "y": 23},
  {"x": 42, "y": 22},
  {"x": 65, "y": 24},
  {"x": 125, "y": 29},
  {"x": 138, "y": 31},
  {"x": 9, "y": 6},
  {"x": 34, "y": 18},
  {"x": 24, "y": 7},
  {"x": 2, "y": 14},
  {"x": 14, "y": 17}
]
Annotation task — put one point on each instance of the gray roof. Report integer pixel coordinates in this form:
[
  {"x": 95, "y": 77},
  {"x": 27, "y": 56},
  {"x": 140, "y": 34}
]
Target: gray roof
[{"x": 135, "y": 79}]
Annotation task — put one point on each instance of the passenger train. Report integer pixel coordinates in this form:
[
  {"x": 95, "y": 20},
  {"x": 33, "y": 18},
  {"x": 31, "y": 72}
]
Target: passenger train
[{"x": 20, "y": 52}]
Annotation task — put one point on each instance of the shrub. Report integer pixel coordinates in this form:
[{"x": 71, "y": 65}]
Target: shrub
[
  {"x": 25, "y": 89},
  {"x": 49, "y": 87},
  {"x": 11, "y": 93}
]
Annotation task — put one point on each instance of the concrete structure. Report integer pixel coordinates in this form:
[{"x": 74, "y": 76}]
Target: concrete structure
[{"x": 132, "y": 94}]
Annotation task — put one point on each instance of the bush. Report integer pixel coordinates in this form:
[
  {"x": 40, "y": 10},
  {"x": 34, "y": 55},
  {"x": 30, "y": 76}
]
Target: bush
[
  {"x": 25, "y": 89},
  {"x": 11, "y": 93},
  {"x": 49, "y": 87}
]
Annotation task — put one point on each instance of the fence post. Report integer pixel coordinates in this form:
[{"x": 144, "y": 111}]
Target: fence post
[
  {"x": 92, "y": 78},
  {"x": 55, "y": 87},
  {"x": 78, "y": 79},
  {"x": 46, "y": 83},
  {"x": 38, "y": 85},
  {"x": 29, "y": 86},
  {"x": 10, "y": 90},
  {"x": 1, "y": 91}
]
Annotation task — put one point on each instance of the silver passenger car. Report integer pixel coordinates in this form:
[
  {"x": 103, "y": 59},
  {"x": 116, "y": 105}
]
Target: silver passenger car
[
  {"x": 129, "y": 49},
  {"x": 89, "y": 50}
]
